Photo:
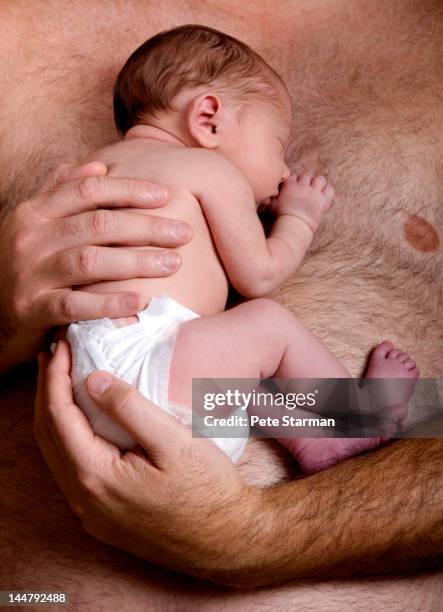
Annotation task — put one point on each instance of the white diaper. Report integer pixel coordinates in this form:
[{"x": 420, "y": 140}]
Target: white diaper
[{"x": 141, "y": 355}]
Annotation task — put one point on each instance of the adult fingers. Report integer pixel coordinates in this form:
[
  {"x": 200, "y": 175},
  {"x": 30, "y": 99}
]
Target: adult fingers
[
  {"x": 65, "y": 306},
  {"x": 90, "y": 264},
  {"x": 49, "y": 399},
  {"x": 70, "y": 172},
  {"x": 147, "y": 423},
  {"x": 59, "y": 422},
  {"x": 92, "y": 192},
  {"x": 74, "y": 173},
  {"x": 42, "y": 431},
  {"x": 117, "y": 227}
]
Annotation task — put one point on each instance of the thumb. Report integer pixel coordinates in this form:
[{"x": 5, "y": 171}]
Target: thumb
[{"x": 151, "y": 426}]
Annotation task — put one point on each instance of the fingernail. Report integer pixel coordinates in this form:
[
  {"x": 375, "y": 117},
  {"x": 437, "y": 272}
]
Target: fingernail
[
  {"x": 158, "y": 192},
  {"x": 53, "y": 347},
  {"x": 98, "y": 382},
  {"x": 180, "y": 231},
  {"x": 132, "y": 302},
  {"x": 169, "y": 260}
]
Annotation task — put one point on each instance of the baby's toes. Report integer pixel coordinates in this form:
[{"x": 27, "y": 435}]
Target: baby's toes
[
  {"x": 402, "y": 423},
  {"x": 329, "y": 193},
  {"x": 305, "y": 178},
  {"x": 399, "y": 414},
  {"x": 403, "y": 357},
  {"x": 409, "y": 364},
  {"x": 394, "y": 353},
  {"x": 391, "y": 419},
  {"x": 319, "y": 182},
  {"x": 381, "y": 350}
]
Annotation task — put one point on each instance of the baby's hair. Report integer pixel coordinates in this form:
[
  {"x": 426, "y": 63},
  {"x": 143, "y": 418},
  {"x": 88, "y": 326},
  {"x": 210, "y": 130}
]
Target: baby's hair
[{"x": 189, "y": 56}]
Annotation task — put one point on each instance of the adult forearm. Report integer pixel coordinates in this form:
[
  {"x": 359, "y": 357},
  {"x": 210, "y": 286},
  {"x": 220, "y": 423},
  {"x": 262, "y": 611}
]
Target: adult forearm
[
  {"x": 379, "y": 513},
  {"x": 382, "y": 513},
  {"x": 184, "y": 505}
]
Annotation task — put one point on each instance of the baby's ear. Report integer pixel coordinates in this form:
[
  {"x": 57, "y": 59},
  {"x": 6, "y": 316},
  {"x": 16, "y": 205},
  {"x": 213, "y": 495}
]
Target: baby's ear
[{"x": 203, "y": 119}]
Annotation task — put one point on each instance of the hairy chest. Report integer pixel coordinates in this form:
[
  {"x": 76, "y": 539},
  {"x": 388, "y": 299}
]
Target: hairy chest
[{"x": 368, "y": 116}]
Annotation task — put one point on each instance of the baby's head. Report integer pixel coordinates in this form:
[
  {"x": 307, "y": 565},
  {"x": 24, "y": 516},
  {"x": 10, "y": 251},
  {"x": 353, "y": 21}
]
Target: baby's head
[{"x": 212, "y": 91}]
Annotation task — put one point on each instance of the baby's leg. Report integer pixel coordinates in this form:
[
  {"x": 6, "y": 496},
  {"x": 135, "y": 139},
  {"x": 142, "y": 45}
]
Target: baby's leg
[
  {"x": 315, "y": 454},
  {"x": 261, "y": 339},
  {"x": 257, "y": 339}
]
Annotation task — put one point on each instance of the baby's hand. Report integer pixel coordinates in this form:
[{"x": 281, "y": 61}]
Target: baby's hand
[{"x": 305, "y": 196}]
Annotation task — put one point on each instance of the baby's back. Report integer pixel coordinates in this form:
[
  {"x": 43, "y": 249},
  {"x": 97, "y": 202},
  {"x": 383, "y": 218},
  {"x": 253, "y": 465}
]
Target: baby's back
[{"x": 201, "y": 283}]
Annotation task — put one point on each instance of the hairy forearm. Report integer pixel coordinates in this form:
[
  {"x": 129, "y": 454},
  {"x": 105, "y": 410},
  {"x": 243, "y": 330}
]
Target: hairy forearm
[
  {"x": 379, "y": 513},
  {"x": 188, "y": 509}
]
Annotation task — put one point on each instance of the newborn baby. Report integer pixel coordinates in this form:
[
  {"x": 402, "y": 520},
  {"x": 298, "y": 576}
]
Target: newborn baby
[{"x": 204, "y": 115}]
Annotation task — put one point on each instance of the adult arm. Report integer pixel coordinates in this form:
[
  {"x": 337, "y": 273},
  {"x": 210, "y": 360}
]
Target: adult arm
[
  {"x": 63, "y": 237},
  {"x": 181, "y": 503}
]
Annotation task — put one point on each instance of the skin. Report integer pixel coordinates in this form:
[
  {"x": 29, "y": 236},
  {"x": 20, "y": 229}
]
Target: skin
[
  {"x": 215, "y": 187},
  {"x": 215, "y": 546},
  {"x": 220, "y": 163},
  {"x": 47, "y": 242},
  {"x": 366, "y": 115}
]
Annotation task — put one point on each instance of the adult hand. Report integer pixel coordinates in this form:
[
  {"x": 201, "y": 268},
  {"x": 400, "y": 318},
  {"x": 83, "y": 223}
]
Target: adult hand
[
  {"x": 60, "y": 238},
  {"x": 175, "y": 500},
  {"x": 179, "y": 502}
]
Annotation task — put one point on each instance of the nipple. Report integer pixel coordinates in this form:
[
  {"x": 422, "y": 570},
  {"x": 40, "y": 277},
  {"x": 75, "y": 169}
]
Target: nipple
[{"x": 421, "y": 235}]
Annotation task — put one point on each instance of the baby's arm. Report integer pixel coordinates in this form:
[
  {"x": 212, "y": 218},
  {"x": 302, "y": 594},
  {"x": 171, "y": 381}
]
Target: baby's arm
[{"x": 255, "y": 264}]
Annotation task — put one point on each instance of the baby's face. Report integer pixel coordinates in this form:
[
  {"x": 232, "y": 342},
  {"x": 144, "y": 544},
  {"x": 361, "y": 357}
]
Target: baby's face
[{"x": 259, "y": 146}]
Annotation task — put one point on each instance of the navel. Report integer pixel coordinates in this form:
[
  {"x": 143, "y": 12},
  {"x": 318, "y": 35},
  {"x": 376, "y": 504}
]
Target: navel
[{"x": 421, "y": 235}]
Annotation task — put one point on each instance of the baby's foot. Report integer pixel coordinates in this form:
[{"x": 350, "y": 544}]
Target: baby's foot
[
  {"x": 305, "y": 196},
  {"x": 391, "y": 401},
  {"x": 399, "y": 372},
  {"x": 386, "y": 361}
]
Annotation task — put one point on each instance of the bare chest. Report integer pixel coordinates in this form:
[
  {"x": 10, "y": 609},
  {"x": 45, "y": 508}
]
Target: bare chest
[{"x": 366, "y": 114}]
